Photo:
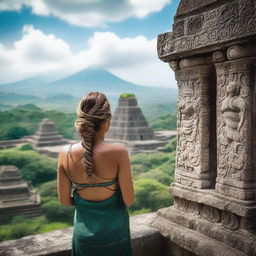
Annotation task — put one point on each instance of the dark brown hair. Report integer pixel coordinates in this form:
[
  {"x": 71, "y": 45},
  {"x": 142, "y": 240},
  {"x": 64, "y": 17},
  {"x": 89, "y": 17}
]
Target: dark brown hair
[{"x": 92, "y": 110}]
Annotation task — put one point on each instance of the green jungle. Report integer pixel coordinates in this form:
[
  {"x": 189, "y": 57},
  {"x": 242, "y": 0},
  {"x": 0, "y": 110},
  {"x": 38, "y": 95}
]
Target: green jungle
[{"x": 152, "y": 172}]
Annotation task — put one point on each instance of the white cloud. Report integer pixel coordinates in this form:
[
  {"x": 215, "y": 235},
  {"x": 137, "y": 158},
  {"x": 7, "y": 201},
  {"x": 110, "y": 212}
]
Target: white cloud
[
  {"x": 33, "y": 54},
  {"x": 88, "y": 13},
  {"x": 133, "y": 59}
]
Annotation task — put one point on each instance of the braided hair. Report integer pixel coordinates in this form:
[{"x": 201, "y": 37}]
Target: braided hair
[{"x": 92, "y": 110}]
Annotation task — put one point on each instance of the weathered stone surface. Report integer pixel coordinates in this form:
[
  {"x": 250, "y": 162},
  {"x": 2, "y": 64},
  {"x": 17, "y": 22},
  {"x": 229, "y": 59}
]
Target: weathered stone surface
[
  {"x": 212, "y": 50},
  {"x": 235, "y": 90},
  {"x": 212, "y": 198},
  {"x": 130, "y": 128},
  {"x": 194, "y": 241},
  {"x": 16, "y": 196},
  {"x": 186, "y": 6},
  {"x": 221, "y": 230},
  {"x": 146, "y": 241},
  {"x": 128, "y": 122},
  {"x": 47, "y": 135},
  {"x": 209, "y": 29},
  {"x": 193, "y": 125}
]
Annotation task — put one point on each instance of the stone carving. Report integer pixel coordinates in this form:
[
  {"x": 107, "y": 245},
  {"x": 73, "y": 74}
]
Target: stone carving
[
  {"x": 192, "y": 155},
  {"x": 214, "y": 43},
  {"x": 163, "y": 45},
  {"x": 234, "y": 99},
  {"x": 174, "y": 65},
  {"x": 218, "y": 56},
  {"x": 187, "y": 125},
  {"x": 210, "y": 213},
  {"x": 180, "y": 203},
  {"x": 178, "y": 29},
  {"x": 195, "y": 24},
  {"x": 231, "y": 20},
  {"x": 238, "y": 51},
  {"x": 232, "y": 144},
  {"x": 230, "y": 220},
  {"x": 186, "y": 6}
]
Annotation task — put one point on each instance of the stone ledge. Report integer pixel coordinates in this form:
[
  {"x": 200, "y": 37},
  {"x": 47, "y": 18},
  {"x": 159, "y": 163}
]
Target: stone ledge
[
  {"x": 193, "y": 241},
  {"x": 238, "y": 239},
  {"x": 146, "y": 240},
  {"x": 244, "y": 208}
]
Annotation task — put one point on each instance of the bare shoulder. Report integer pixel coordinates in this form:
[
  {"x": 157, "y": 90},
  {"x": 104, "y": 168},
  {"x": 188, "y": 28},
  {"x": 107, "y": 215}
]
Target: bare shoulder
[
  {"x": 116, "y": 148},
  {"x": 75, "y": 147},
  {"x": 64, "y": 149}
]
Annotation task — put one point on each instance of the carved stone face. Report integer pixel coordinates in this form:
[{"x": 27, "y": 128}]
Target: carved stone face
[{"x": 233, "y": 88}]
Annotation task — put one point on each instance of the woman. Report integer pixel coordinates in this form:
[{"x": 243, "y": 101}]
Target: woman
[{"x": 100, "y": 174}]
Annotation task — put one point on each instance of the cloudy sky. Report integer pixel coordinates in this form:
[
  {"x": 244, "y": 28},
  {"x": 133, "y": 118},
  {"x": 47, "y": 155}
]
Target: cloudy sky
[{"x": 61, "y": 37}]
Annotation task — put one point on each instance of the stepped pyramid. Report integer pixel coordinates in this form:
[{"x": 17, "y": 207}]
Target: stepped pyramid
[
  {"x": 16, "y": 196},
  {"x": 130, "y": 128},
  {"x": 47, "y": 135},
  {"x": 128, "y": 122}
]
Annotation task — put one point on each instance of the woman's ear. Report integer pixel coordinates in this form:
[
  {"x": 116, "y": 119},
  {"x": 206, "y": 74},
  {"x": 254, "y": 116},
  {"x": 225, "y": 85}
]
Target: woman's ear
[{"x": 107, "y": 124}]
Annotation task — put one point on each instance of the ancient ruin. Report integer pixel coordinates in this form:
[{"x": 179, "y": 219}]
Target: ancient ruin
[
  {"x": 16, "y": 196},
  {"x": 212, "y": 50},
  {"x": 130, "y": 128},
  {"x": 47, "y": 135}
]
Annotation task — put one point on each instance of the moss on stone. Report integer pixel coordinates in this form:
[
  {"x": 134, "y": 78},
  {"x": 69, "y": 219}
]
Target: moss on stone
[{"x": 127, "y": 95}]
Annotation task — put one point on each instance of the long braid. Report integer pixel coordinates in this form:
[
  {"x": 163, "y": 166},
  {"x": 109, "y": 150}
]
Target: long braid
[{"x": 92, "y": 110}]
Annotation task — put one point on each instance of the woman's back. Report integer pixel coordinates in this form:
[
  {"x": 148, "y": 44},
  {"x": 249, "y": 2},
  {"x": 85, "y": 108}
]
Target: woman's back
[
  {"x": 106, "y": 165},
  {"x": 101, "y": 220},
  {"x": 101, "y": 175}
]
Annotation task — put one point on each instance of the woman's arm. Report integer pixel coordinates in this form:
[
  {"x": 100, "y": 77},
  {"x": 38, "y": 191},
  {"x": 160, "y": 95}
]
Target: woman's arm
[
  {"x": 125, "y": 176},
  {"x": 64, "y": 184}
]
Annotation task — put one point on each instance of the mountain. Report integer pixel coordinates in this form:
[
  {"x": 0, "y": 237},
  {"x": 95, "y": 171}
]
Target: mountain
[{"x": 66, "y": 92}]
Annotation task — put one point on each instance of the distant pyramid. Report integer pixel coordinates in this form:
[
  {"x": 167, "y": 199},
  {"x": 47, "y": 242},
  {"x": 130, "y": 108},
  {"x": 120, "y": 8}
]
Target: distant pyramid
[
  {"x": 16, "y": 196},
  {"x": 47, "y": 135},
  {"x": 128, "y": 122}
]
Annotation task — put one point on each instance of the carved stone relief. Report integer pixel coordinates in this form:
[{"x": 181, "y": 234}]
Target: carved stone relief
[
  {"x": 227, "y": 219},
  {"x": 216, "y": 124},
  {"x": 192, "y": 157},
  {"x": 231, "y": 20},
  {"x": 230, "y": 220},
  {"x": 210, "y": 213},
  {"x": 234, "y": 125},
  {"x": 188, "y": 157}
]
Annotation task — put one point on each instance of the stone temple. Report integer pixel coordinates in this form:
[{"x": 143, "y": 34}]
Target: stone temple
[
  {"x": 16, "y": 196},
  {"x": 47, "y": 135},
  {"x": 130, "y": 128},
  {"x": 47, "y": 140}
]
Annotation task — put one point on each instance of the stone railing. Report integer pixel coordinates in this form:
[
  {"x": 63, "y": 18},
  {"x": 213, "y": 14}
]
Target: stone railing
[{"x": 145, "y": 241}]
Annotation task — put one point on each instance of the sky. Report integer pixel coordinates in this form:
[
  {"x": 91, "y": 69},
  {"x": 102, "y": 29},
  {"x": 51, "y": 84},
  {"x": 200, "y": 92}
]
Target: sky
[{"x": 57, "y": 38}]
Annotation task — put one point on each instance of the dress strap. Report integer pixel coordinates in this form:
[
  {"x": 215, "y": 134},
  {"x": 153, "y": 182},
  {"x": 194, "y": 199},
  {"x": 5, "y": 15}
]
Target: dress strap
[
  {"x": 87, "y": 185},
  {"x": 69, "y": 174}
]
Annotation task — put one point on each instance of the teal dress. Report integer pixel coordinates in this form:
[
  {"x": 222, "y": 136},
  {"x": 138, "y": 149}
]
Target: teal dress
[{"x": 101, "y": 227}]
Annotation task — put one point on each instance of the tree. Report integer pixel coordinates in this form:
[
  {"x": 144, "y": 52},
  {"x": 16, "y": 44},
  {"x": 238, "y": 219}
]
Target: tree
[
  {"x": 15, "y": 132},
  {"x": 151, "y": 194}
]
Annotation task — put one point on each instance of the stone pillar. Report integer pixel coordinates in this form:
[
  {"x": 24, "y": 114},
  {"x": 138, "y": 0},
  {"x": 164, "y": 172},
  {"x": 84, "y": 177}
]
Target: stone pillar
[
  {"x": 193, "y": 123},
  {"x": 212, "y": 49},
  {"x": 235, "y": 124}
]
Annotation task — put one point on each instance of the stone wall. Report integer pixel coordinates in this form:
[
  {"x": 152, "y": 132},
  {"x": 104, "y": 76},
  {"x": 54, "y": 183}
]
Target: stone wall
[
  {"x": 212, "y": 50},
  {"x": 146, "y": 241}
]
